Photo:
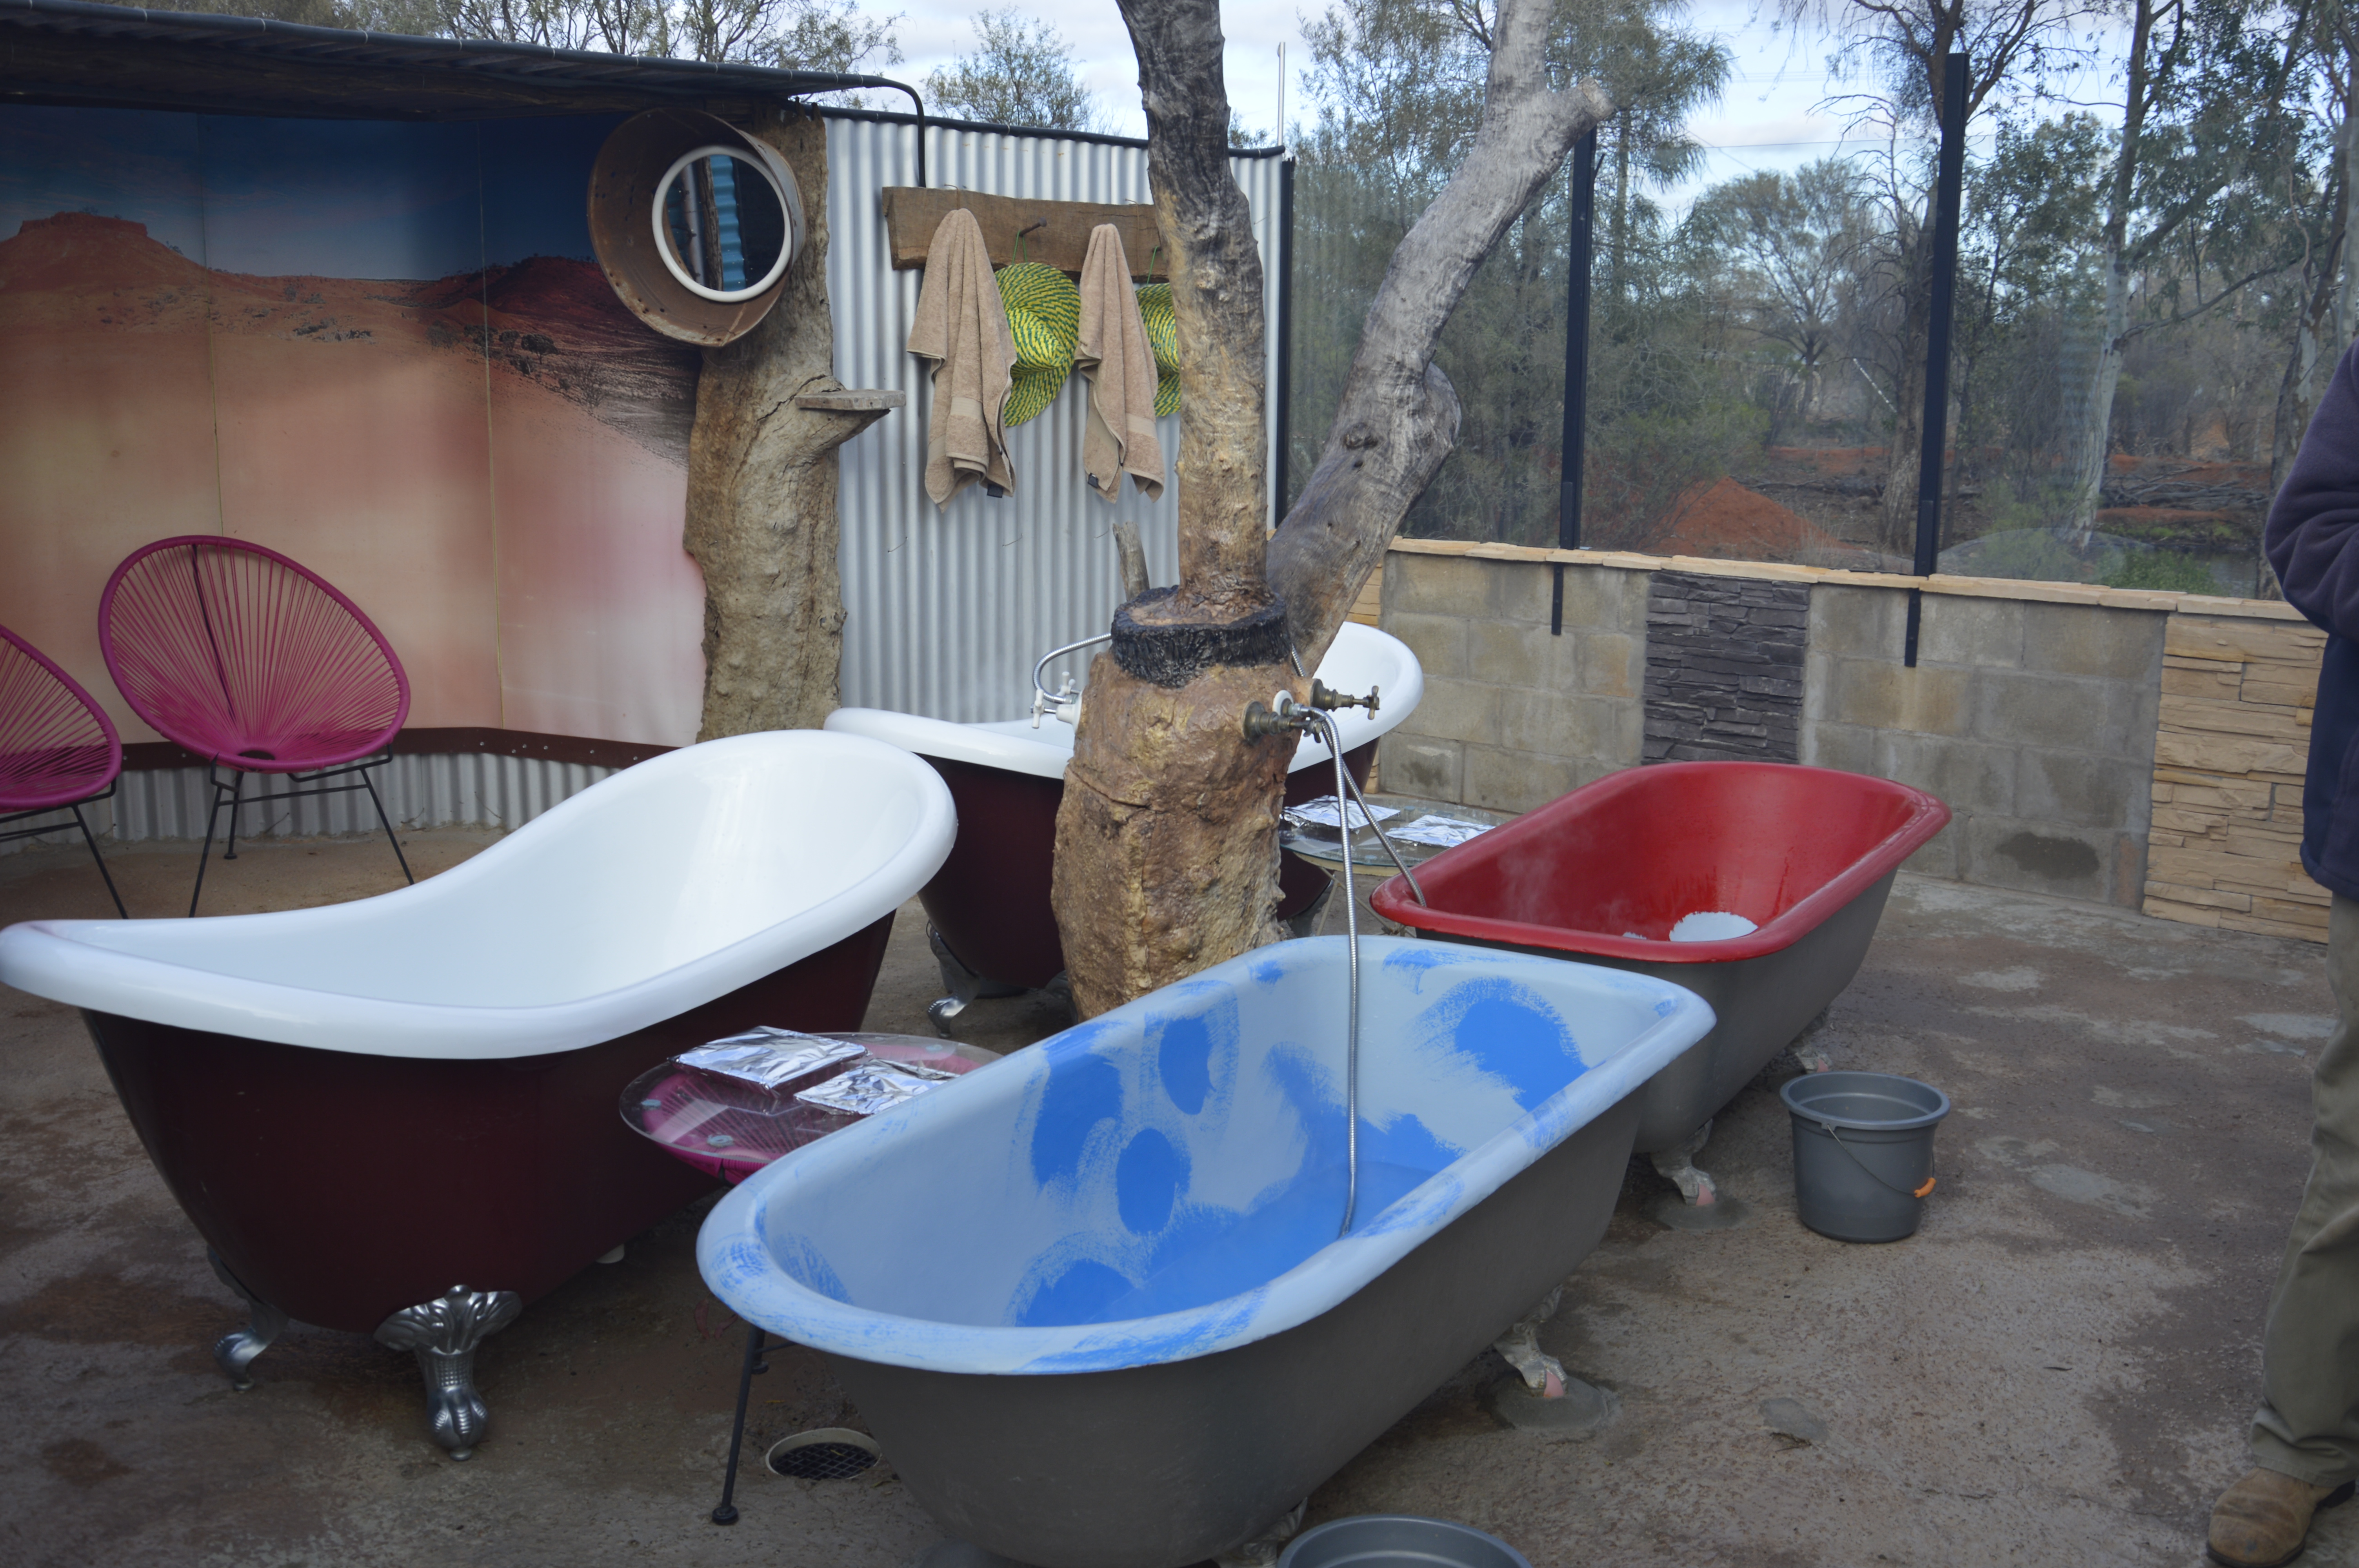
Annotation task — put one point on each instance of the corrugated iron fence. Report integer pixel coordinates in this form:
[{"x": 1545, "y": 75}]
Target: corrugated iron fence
[{"x": 949, "y": 607}]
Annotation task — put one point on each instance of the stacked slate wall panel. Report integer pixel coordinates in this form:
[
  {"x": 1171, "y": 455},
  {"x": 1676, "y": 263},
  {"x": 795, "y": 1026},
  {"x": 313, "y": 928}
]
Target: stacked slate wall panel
[{"x": 1724, "y": 668}]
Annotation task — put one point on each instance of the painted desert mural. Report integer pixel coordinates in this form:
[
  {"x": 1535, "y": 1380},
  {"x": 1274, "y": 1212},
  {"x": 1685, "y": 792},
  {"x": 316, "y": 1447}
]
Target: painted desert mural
[{"x": 385, "y": 350}]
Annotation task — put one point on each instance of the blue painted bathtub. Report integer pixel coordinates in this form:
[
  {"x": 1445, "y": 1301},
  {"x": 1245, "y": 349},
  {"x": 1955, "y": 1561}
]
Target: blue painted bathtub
[{"x": 1091, "y": 1299}]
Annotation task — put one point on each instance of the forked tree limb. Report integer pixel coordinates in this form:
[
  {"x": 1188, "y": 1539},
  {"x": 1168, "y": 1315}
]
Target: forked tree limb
[{"x": 1398, "y": 416}]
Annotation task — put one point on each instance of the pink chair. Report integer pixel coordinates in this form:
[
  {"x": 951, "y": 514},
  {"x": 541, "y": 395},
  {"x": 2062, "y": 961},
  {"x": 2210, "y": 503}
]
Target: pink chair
[
  {"x": 240, "y": 655},
  {"x": 59, "y": 751}
]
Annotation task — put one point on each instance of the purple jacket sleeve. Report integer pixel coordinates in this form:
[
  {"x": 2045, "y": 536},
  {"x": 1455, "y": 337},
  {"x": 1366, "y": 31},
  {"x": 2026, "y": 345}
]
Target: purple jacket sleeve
[{"x": 2313, "y": 539}]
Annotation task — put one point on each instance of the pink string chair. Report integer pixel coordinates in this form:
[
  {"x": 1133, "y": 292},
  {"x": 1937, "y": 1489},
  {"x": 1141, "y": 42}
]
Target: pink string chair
[
  {"x": 246, "y": 659},
  {"x": 59, "y": 751}
]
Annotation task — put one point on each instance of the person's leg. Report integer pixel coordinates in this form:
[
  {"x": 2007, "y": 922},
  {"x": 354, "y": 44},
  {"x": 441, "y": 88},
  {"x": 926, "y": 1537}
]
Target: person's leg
[{"x": 2305, "y": 1438}]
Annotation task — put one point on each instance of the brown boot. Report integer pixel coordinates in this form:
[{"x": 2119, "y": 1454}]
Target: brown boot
[{"x": 2263, "y": 1519}]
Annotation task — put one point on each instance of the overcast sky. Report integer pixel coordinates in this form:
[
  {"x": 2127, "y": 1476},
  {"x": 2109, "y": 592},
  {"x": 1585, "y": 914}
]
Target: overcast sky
[{"x": 1773, "y": 115}]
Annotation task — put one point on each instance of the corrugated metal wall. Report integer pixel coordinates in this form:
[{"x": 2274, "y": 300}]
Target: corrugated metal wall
[
  {"x": 948, "y": 607},
  {"x": 442, "y": 791}
]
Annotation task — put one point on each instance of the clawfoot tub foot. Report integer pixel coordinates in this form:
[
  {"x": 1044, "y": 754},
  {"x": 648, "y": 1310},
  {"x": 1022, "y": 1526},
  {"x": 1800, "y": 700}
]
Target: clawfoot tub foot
[
  {"x": 1809, "y": 1047},
  {"x": 1678, "y": 1167},
  {"x": 1543, "y": 1397},
  {"x": 1264, "y": 1550},
  {"x": 233, "y": 1352},
  {"x": 443, "y": 1333},
  {"x": 963, "y": 984}
]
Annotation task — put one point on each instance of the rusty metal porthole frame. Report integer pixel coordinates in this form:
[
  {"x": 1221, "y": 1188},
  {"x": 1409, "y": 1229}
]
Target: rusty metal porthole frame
[{"x": 635, "y": 167}]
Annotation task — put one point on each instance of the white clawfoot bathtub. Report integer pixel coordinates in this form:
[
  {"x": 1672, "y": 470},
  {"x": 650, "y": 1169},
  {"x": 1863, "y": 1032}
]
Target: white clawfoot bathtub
[
  {"x": 360, "y": 1104},
  {"x": 993, "y": 928},
  {"x": 1091, "y": 1298}
]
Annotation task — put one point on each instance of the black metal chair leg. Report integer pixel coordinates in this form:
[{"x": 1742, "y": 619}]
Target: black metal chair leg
[
  {"x": 236, "y": 792},
  {"x": 102, "y": 872},
  {"x": 727, "y": 1512},
  {"x": 370, "y": 784},
  {"x": 212, "y": 820}
]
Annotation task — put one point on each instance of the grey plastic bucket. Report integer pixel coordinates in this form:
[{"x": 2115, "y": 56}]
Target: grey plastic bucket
[
  {"x": 1863, "y": 1152},
  {"x": 1399, "y": 1540}
]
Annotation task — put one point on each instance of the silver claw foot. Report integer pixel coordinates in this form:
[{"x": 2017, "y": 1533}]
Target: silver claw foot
[
  {"x": 1264, "y": 1550},
  {"x": 963, "y": 984},
  {"x": 1678, "y": 1167},
  {"x": 233, "y": 1352},
  {"x": 443, "y": 1333}
]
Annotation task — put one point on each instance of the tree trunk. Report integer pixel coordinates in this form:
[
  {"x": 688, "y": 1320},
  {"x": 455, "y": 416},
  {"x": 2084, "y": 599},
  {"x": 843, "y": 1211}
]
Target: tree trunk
[
  {"x": 1909, "y": 397},
  {"x": 2093, "y": 443},
  {"x": 1399, "y": 415},
  {"x": 761, "y": 489},
  {"x": 1167, "y": 841}
]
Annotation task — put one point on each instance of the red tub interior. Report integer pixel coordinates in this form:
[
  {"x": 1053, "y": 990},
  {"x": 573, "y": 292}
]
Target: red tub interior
[{"x": 1782, "y": 844}]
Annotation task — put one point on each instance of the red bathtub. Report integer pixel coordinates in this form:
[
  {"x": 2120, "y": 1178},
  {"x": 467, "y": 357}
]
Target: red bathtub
[{"x": 1602, "y": 874}]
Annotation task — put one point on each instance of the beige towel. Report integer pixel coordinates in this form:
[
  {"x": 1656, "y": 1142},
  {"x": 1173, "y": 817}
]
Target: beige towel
[
  {"x": 1113, "y": 353},
  {"x": 962, "y": 328}
]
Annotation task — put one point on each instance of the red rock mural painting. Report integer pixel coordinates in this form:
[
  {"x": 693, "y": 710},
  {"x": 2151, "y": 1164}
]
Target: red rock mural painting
[{"x": 382, "y": 348}]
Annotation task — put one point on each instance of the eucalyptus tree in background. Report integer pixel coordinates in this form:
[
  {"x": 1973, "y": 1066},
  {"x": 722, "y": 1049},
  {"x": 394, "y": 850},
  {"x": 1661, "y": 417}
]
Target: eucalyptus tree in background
[
  {"x": 2205, "y": 126},
  {"x": 1021, "y": 74},
  {"x": 1167, "y": 838},
  {"x": 1800, "y": 242},
  {"x": 1894, "y": 50}
]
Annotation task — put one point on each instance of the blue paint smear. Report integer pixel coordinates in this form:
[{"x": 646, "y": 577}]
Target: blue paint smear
[
  {"x": 1148, "y": 1179},
  {"x": 1080, "y": 1294},
  {"x": 1511, "y": 1032},
  {"x": 1185, "y": 1057},
  {"x": 1268, "y": 971},
  {"x": 1081, "y": 1091},
  {"x": 800, "y": 1256}
]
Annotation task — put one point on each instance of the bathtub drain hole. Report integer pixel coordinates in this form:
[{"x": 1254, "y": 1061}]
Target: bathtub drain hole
[{"x": 821, "y": 1461}]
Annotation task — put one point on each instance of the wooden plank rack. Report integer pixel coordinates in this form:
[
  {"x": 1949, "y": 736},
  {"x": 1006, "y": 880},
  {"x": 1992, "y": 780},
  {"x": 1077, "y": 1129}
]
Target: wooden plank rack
[{"x": 1057, "y": 233}]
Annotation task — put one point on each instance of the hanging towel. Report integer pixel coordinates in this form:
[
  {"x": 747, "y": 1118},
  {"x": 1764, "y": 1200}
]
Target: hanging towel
[
  {"x": 962, "y": 328},
  {"x": 1116, "y": 356}
]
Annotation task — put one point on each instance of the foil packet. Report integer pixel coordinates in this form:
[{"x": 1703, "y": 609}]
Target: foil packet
[
  {"x": 1441, "y": 832},
  {"x": 768, "y": 1058},
  {"x": 874, "y": 1085},
  {"x": 1326, "y": 814}
]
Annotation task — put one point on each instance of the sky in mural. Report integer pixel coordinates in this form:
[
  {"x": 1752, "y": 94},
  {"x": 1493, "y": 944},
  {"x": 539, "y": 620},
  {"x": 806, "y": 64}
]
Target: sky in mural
[{"x": 326, "y": 198}]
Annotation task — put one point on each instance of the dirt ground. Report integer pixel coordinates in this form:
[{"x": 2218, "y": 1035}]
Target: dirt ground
[{"x": 2056, "y": 1369}]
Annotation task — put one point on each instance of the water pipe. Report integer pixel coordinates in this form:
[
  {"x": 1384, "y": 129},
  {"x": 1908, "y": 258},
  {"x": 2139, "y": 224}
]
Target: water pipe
[{"x": 1043, "y": 699}]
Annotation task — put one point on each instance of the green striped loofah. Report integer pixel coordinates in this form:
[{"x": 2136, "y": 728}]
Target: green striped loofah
[
  {"x": 1044, "y": 317},
  {"x": 1163, "y": 337}
]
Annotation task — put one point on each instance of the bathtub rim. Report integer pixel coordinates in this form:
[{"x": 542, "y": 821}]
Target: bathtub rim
[
  {"x": 47, "y": 958},
  {"x": 993, "y": 743},
  {"x": 740, "y": 1269}
]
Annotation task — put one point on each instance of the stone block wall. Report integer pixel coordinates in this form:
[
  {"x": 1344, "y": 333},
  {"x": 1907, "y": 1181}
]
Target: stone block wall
[
  {"x": 2034, "y": 721},
  {"x": 1513, "y": 717},
  {"x": 2136, "y": 748},
  {"x": 2228, "y": 764}
]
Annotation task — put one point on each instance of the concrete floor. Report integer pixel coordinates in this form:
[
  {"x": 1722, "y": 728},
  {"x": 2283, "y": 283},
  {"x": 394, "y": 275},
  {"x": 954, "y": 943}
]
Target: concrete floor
[{"x": 2056, "y": 1369}]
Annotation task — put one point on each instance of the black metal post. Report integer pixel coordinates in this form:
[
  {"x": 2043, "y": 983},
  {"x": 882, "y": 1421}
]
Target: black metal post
[
  {"x": 1282, "y": 459},
  {"x": 1582, "y": 215},
  {"x": 1934, "y": 447}
]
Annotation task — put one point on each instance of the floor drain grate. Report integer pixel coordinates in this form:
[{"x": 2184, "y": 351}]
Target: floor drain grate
[{"x": 822, "y": 1461}]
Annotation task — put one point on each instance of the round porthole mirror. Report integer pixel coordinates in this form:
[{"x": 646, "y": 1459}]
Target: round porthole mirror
[
  {"x": 695, "y": 222},
  {"x": 721, "y": 224}
]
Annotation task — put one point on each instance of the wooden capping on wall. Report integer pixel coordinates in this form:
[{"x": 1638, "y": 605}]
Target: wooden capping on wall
[{"x": 912, "y": 213}]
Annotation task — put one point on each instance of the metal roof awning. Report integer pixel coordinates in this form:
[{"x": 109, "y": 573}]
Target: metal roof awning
[{"x": 65, "y": 51}]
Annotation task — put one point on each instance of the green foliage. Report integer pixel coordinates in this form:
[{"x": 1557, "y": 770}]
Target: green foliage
[
  {"x": 1022, "y": 75},
  {"x": 2163, "y": 570}
]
